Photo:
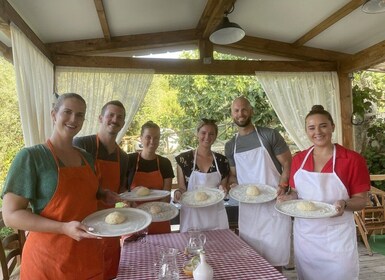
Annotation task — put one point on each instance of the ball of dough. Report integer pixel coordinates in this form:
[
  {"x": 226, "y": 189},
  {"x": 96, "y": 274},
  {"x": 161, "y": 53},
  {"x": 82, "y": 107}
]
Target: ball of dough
[
  {"x": 115, "y": 218},
  {"x": 252, "y": 191},
  {"x": 201, "y": 196},
  {"x": 306, "y": 206},
  {"x": 142, "y": 191},
  {"x": 155, "y": 209}
]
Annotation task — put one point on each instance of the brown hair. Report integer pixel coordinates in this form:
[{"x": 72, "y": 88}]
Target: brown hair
[
  {"x": 211, "y": 122},
  {"x": 319, "y": 110},
  {"x": 149, "y": 124},
  {"x": 65, "y": 96},
  {"x": 115, "y": 103}
]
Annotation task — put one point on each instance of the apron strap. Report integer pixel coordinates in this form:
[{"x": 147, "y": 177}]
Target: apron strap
[
  {"x": 309, "y": 152},
  {"x": 215, "y": 161}
]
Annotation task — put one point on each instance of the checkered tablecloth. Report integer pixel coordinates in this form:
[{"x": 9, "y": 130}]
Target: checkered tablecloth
[{"x": 229, "y": 256}]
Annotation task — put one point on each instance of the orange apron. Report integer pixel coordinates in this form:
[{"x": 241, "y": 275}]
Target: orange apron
[
  {"x": 152, "y": 180},
  {"x": 58, "y": 256},
  {"x": 109, "y": 178}
]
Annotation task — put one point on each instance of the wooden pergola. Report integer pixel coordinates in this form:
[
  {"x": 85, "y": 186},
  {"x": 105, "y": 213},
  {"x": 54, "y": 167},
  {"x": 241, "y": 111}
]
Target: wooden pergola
[{"x": 116, "y": 45}]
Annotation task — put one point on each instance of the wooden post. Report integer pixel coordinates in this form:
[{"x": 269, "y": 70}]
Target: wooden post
[{"x": 346, "y": 100}]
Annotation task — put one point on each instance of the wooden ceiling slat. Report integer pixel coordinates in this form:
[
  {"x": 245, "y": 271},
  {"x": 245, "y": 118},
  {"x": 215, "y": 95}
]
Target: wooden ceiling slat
[
  {"x": 213, "y": 15},
  {"x": 270, "y": 47},
  {"x": 6, "y": 51},
  {"x": 364, "y": 59},
  {"x": 195, "y": 67},
  {"x": 8, "y": 15},
  {"x": 125, "y": 43},
  {"x": 103, "y": 19},
  {"x": 341, "y": 13}
]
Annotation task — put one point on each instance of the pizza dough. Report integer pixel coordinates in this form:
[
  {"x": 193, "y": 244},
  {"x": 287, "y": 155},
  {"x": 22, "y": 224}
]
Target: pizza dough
[
  {"x": 142, "y": 191},
  {"x": 306, "y": 206},
  {"x": 252, "y": 191},
  {"x": 201, "y": 196},
  {"x": 155, "y": 209},
  {"x": 115, "y": 218}
]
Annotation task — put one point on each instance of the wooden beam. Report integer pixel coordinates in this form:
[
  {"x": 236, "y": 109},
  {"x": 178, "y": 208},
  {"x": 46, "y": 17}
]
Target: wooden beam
[
  {"x": 103, "y": 19},
  {"x": 364, "y": 59},
  {"x": 8, "y": 14},
  {"x": 125, "y": 43},
  {"x": 270, "y": 47},
  {"x": 206, "y": 51},
  {"x": 346, "y": 102},
  {"x": 7, "y": 52},
  {"x": 335, "y": 17},
  {"x": 212, "y": 16},
  {"x": 4, "y": 27},
  {"x": 194, "y": 67}
]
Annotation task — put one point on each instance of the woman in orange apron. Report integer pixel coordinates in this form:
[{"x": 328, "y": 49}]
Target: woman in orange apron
[
  {"x": 151, "y": 170},
  {"x": 58, "y": 183},
  {"x": 326, "y": 248}
]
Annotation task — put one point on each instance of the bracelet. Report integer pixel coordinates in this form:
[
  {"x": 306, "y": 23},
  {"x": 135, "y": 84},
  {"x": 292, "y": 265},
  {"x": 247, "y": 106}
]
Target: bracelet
[
  {"x": 346, "y": 204},
  {"x": 178, "y": 190},
  {"x": 286, "y": 187}
]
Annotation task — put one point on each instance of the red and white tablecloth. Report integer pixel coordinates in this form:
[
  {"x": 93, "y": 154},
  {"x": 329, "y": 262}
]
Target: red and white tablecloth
[{"x": 229, "y": 256}]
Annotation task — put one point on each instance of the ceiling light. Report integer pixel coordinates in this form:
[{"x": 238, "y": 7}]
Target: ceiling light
[
  {"x": 227, "y": 32},
  {"x": 373, "y": 6}
]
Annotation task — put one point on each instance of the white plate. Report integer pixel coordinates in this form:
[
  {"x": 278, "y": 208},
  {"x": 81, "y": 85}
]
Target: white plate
[
  {"x": 214, "y": 196},
  {"x": 136, "y": 220},
  {"x": 323, "y": 210},
  {"x": 154, "y": 194},
  {"x": 267, "y": 193},
  {"x": 168, "y": 212}
]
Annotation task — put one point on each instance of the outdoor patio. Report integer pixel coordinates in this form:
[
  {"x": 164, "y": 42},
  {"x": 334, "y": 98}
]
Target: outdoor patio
[{"x": 371, "y": 267}]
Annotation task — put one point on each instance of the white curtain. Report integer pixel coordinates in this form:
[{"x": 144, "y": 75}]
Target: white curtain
[
  {"x": 34, "y": 85},
  {"x": 293, "y": 94},
  {"x": 100, "y": 85}
]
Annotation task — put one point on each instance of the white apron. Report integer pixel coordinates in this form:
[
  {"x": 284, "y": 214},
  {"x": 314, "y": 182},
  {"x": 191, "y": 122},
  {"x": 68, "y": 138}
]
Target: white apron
[
  {"x": 324, "y": 248},
  {"x": 260, "y": 225},
  {"x": 205, "y": 218}
]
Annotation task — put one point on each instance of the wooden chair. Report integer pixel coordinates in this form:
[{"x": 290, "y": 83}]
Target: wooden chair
[
  {"x": 11, "y": 247},
  {"x": 372, "y": 218}
]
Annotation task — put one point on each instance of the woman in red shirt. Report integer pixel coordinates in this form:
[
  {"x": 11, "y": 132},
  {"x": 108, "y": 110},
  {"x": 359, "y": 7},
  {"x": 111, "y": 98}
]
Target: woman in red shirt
[{"x": 326, "y": 248}]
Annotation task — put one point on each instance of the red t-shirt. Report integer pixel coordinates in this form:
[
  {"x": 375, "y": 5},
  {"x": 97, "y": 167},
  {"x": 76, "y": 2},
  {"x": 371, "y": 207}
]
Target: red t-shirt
[{"x": 350, "y": 167}]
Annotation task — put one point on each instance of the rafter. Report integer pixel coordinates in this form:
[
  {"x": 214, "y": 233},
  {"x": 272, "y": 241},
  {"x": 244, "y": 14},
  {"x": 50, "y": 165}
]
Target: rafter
[
  {"x": 270, "y": 47},
  {"x": 212, "y": 16},
  {"x": 191, "y": 67},
  {"x": 364, "y": 59},
  {"x": 125, "y": 43},
  {"x": 335, "y": 17},
  {"x": 6, "y": 51},
  {"x": 8, "y": 14},
  {"x": 103, "y": 19}
]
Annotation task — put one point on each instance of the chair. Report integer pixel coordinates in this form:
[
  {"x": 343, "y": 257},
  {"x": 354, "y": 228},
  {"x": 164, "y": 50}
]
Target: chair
[
  {"x": 372, "y": 218},
  {"x": 11, "y": 247}
]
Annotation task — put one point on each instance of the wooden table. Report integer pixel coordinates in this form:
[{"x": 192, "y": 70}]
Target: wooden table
[{"x": 229, "y": 256}]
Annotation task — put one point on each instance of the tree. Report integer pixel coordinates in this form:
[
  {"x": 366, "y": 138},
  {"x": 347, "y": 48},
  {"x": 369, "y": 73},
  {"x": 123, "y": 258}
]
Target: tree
[
  {"x": 209, "y": 96},
  {"x": 11, "y": 134}
]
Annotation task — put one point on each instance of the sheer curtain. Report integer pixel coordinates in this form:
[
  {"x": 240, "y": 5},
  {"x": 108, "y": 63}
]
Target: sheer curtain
[
  {"x": 293, "y": 94},
  {"x": 100, "y": 85},
  {"x": 34, "y": 85}
]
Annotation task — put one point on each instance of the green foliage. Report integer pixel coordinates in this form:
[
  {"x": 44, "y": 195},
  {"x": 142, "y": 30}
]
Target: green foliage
[
  {"x": 10, "y": 125},
  {"x": 160, "y": 105},
  {"x": 367, "y": 103},
  {"x": 209, "y": 96}
]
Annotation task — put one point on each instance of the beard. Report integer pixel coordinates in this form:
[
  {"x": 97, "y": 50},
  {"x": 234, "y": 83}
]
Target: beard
[{"x": 243, "y": 123}]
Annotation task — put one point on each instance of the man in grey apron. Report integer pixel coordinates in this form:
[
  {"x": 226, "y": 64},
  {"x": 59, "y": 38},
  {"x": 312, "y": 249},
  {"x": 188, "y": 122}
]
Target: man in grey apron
[{"x": 260, "y": 156}]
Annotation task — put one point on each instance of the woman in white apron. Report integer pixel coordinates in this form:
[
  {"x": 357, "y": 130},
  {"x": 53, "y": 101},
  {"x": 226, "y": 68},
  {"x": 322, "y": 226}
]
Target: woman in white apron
[
  {"x": 326, "y": 248},
  {"x": 260, "y": 225},
  {"x": 204, "y": 171}
]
